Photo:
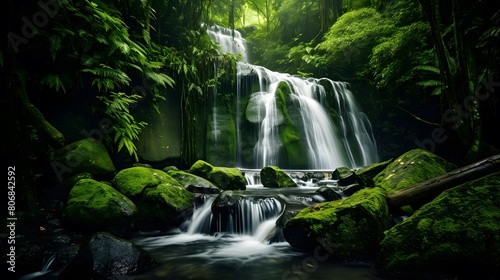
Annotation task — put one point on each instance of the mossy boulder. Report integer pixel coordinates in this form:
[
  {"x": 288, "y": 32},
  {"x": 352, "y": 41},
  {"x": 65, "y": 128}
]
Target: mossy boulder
[
  {"x": 132, "y": 181},
  {"x": 351, "y": 228},
  {"x": 193, "y": 183},
  {"x": 94, "y": 206},
  {"x": 274, "y": 177},
  {"x": 410, "y": 168},
  {"x": 225, "y": 178},
  {"x": 160, "y": 199},
  {"x": 87, "y": 155},
  {"x": 365, "y": 175},
  {"x": 458, "y": 232}
]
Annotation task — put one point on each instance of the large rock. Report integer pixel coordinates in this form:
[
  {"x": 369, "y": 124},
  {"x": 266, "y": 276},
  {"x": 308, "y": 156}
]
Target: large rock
[
  {"x": 87, "y": 155},
  {"x": 104, "y": 256},
  {"x": 456, "y": 234},
  {"x": 224, "y": 178},
  {"x": 194, "y": 183},
  {"x": 94, "y": 206},
  {"x": 328, "y": 194},
  {"x": 344, "y": 175},
  {"x": 365, "y": 175},
  {"x": 410, "y": 168},
  {"x": 349, "y": 229},
  {"x": 160, "y": 199},
  {"x": 274, "y": 177}
]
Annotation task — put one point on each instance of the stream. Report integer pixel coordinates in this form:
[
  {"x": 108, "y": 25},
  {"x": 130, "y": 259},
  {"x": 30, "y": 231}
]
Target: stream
[{"x": 248, "y": 246}]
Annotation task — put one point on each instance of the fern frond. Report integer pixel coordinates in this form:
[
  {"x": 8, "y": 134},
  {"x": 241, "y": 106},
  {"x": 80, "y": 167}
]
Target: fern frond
[
  {"x": 428, "y": 68},
  {"x": 160, "y": 78},
  {"x": 53, "y": 81},
  {"x": 430, "y": 83}
]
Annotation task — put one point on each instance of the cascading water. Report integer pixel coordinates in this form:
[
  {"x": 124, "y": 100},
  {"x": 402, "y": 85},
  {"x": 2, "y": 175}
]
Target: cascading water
[
  {"x": 278, "y": 119},
  {"x": 229, "y": 40},
  {"x": 236, "y": 215},
  {"x": 292, "y": 122}
]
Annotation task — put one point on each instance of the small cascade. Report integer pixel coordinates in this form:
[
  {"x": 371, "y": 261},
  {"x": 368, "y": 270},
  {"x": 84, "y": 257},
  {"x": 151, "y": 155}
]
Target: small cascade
[
  {"x": 234, "y": 214},
  {"x": 230, "y": 40}
]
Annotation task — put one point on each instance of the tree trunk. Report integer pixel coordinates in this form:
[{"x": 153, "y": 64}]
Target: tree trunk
[{"x": 427, "y": 190}]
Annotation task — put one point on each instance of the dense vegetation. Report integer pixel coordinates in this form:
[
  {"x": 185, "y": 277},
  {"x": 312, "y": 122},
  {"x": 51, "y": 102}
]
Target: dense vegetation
[{"x": 110, "y": 56}]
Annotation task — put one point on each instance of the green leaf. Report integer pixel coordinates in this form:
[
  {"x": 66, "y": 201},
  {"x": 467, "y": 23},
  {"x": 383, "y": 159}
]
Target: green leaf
[{"x": 53, "y": 81}]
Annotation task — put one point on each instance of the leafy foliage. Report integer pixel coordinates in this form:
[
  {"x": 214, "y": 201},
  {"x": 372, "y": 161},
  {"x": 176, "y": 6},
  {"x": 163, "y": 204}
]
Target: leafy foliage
[
  {"x": 349, "y": 42},
  {"x": 98, "y": 45},
  {"x": 393, "y": 61}
]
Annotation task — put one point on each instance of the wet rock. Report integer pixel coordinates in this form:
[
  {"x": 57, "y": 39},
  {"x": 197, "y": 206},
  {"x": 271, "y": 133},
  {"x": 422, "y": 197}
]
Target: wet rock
[
  {"x": 351, "y": 189},
  {"x": 328, "y": 194},
  {"x": 348, "y": 229},
  {"x": 344, "y": 175},
  {"x": 455, "y": 236},
  {"x": 194, "y": 183},
  {"x": 103, "y": 256},
  {"x": 94, "y": 206},
  {"x": 274, "y": 177}
]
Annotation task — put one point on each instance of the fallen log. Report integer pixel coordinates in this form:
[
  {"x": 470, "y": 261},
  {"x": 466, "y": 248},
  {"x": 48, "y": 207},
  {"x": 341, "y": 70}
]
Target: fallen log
[{"x": 428, "y": 189}]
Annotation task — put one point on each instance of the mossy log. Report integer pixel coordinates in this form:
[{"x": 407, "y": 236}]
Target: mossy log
[{"x": 422, "y": 191}]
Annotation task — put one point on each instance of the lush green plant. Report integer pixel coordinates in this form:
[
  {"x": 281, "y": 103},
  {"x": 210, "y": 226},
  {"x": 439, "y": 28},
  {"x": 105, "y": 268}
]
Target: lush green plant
[
  {"x": 96, "y": 40},
  {"x": 393, "y": 61},
  {"x": 350, "y": 41}
]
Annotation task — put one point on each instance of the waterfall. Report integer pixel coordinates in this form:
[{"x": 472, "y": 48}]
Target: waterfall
[
  {"x": 292, "y": 122},
  {"x": 229, "y": 40},
  {"x": 237, "y": 215}
]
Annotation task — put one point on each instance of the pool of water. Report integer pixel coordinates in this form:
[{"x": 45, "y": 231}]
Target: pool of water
[{"x": 232, "y": 256}]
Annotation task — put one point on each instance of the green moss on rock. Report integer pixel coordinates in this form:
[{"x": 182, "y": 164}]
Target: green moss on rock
[
  {"x": 225, "y": 178},
  {"x": 132, "y": 181},
  {"x": 410, "y": 168},
  {"x": 193, "y": 183},
  {"x": 365, "y": 175},
  {"x": 274, "y": 177},
  {"x": 201, "y": 168},
  {"x": 160, "y": 199},
  {"x": 87, "y": 155},
  {"x": 94, "y": 206},
  {"x": 352, "y": 228},
  {"x": 457, "y": 232}
]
